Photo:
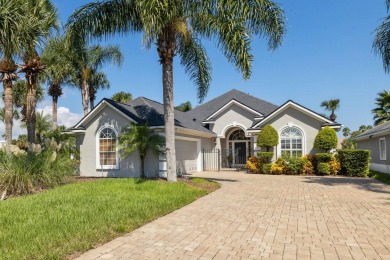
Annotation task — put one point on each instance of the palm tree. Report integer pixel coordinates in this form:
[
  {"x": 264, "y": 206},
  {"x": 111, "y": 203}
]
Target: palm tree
[
  {"x": 381, "y": 43},
  {"x": 331, "y": 105},
  {"x": 45, "y": 15},
  {"x": 346, "y": 132},
  {"x": 19, "y": 97},
  {"x": 382, "y": 111},
  {"x": 184, "y": 107},
  {"x": 122, "y": 97},
  {"x": 176, "y": 28},
  {"x": 14, "y": 26},
  {"x": 42, "y": 126},
  {"x": 140, "y": 138},
  {"x": 59, "y": 70},
  {"x": 88, "y": 60},
  {"x": 97, "y": 80}
]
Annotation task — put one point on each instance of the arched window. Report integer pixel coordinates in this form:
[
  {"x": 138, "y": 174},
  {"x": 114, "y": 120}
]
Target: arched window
[
  {"x": 107, "y": 148},
  {"x": 238, "y": 135},
  {"x": 291, "y": 142}
]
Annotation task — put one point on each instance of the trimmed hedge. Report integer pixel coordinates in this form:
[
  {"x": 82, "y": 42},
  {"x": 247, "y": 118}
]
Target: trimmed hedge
[
  {"x": 355, "y": 162},
  {"x": 268, "y": 137},
  {"x": 326, "y": 139},
  {"x": 265, "y": 157},
  {"x": 323, "y": 157}
]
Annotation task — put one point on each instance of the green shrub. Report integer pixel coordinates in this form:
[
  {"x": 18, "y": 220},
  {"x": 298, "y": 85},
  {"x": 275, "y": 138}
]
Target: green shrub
[
  {"x": 355, "y": 162},
  {"x": 268, "y": 137},
  {"x": 326, "y": 139},
  {"x": 266, "y": 168},
  {"x": 324, "y": 157},
  {"x": 294, "y": 165},
  {"x": 28, "y": 173},
  {"x": 323, "y": 168},
  {"x": 265, "y": 157}
]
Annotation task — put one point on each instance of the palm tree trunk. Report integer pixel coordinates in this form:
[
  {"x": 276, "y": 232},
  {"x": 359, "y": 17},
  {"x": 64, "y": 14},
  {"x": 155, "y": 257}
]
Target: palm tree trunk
[
  {"x": 92, "y": 103},
  {"x": 30, "y": 109},
  {"x": 8, "y": 112},
  {"x": 142, "y": 166},
  {"x": 85, "y": 96},
  {"x": 54, "y": 107}
]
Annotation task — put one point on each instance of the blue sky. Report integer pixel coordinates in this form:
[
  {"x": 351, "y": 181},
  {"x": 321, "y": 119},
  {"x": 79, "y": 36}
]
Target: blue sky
[{"x": 326, "y": 54}]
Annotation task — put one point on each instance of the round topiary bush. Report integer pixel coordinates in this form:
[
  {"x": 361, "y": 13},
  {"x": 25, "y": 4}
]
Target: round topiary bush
[
  {"x": 326, "y": 139},
  {"x": 323, "y": 168},
  {"x": 268, "y": 137}
]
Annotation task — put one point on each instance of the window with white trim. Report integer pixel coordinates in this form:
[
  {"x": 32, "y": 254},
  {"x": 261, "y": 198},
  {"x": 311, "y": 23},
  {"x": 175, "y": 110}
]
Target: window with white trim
[
  {"x": 291, "y": 142},
  {"x": 382, "y": 149},
  {"x": 107, "y": 148}
]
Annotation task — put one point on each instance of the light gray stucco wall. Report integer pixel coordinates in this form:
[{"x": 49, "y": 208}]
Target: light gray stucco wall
[
  {"x": 306, "y": 123},
  {"x": 233, "y": 114},
  {"x": 372, "y": 144},
  {"x": 87, "y": 144}
]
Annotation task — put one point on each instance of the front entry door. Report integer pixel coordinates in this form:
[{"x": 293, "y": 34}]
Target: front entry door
[{"x": 239, "y": 153}]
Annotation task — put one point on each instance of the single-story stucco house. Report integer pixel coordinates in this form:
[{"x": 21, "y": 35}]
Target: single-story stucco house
[
  {"x": 219, "y": 133},
  {"x": 376, "y": 140}
]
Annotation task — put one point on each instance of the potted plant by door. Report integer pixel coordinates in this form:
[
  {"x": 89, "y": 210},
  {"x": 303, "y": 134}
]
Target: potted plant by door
[{"x": 229, "y": 159}]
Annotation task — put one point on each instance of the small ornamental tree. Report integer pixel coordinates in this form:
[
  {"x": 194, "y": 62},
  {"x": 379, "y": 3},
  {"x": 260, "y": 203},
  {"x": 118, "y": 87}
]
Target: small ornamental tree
[
  {"x": 326, "y": 139},
  {"x": 268, "y": 137}
]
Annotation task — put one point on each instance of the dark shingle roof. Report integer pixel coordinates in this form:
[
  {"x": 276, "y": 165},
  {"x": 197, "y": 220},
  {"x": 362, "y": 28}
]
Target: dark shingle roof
[
  {"x": 143, "y": 110},
  {"x": 382, "y": 128},
  {"x": 207, "y": 109}
]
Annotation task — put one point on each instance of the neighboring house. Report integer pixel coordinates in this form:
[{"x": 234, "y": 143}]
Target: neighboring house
[
  {"x": 377, "y": 140},
  {"x": 216, "y": 134}
]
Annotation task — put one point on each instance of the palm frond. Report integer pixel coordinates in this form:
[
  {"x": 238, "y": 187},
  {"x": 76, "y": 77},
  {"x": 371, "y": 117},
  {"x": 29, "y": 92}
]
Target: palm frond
[
  {"x": 196, "y": 64},
  {"x": 104, "y": 19}
]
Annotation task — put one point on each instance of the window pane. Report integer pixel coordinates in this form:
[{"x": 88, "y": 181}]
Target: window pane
[{"x": 107, "y": 147}]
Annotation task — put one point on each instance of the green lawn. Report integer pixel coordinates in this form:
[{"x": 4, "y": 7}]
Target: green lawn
[
  {"x": 383, "y": 177},
  {"x": 75, "y": 217}
]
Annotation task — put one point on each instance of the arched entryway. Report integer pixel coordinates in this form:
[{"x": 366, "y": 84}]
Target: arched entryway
[{"x": 238, "y": 147}]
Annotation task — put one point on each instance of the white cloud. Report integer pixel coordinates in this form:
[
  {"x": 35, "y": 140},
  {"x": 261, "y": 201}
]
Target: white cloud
[{"x": 64, "y": 115}]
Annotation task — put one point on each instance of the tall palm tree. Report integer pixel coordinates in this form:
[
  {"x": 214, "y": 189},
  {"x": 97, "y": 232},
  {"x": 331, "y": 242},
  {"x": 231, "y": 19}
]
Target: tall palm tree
[
  {"x": 97, "y": 80},
  {"x": 382, "y": 111},
  {"x": 14, "y": 26},
  {"x": 44, "y": 12},
  {"x": 88, "y": 60},
  {"x": 122, "y": 97},
  {"x": 19, "y": 97},
  {"x": 176, "y": 28},
  {"x": 59, "y": 70},
  {"x": 140, "y": 138},
  {"x": 331, "y": 105}
]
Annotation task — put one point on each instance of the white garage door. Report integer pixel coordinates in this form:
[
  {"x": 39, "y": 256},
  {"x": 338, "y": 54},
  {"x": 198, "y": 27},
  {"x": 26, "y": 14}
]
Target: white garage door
[{"x": 186, "y": 156}]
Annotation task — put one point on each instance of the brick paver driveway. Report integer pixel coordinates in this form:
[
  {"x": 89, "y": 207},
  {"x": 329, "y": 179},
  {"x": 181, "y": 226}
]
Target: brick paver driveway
[{"x": 271, "y": 217}]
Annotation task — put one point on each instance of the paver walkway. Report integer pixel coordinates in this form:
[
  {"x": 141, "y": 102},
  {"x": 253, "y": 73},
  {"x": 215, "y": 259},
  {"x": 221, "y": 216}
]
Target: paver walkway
[{"x": 268, "y": 217}]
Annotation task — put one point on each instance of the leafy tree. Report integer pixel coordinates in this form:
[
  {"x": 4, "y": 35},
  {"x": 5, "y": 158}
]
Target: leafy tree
[
  {"x": 65, "y": 142},
  {"x": 326, "y": 139},
  {"x": 382, "y": 111},
  {"x": 176, "y": 27},
  {"x": 331, "y": 105},
  {"x": 20, "y": 90},
  {"x": 14, "y": 29},
  {"x": 184, "y": 107},
  {"x": 122, "y": 97},
  {"x": 363, "y": 128},
  {"x": 140, "y": 138},
  {"x": 268, "y": 137},
  {"x": 45, "y": 15},
  {"x": 59, "y": 70}
]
